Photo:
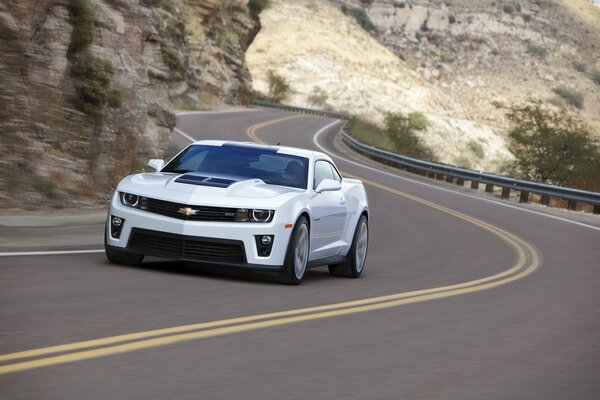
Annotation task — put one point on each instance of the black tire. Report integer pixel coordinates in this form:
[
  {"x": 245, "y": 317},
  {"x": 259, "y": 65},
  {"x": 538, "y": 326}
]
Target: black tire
[
  {"x": 289, "y": 275},
  {"x": 350, "y": 268},
  {"x": 120, "y": 256}
]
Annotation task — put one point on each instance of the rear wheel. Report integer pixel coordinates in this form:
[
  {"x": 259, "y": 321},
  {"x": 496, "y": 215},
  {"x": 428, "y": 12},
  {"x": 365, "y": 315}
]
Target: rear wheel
[
  {"x": 296, "y": 258},
  {"x": 354, "y": 264}
]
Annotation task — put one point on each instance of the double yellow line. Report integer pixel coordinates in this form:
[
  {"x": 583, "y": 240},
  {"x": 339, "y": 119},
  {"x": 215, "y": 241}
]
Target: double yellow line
[{"x": 526, "y": 263}]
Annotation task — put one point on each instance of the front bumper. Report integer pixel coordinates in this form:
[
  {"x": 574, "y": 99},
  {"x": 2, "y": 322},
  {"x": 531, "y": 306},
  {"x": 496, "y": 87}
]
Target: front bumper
[{"x": 192, "y": 240}]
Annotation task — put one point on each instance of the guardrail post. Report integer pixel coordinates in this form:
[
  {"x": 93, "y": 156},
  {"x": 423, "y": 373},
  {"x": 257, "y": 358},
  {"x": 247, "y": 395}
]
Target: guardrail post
[
  {"x": 489, "y": 188},
  {"x": 524, "y": 197},
  {"x": 431, "y": 174},
  {"x": 439, "y": 177},
  {"x": 505, "y": 192},
  {"x": 572, "y": 205},
  {"x": 545, "y": 200},
  {"x": 475, "y": 185},
  {"x": 596, "y": 209},
  {"x": 450, "y": 179},
  {"x": 460, "y": 182}
]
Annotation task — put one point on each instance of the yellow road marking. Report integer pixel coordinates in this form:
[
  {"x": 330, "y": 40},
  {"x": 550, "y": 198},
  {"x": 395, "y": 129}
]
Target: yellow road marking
[{"x": 527, "y": 262}]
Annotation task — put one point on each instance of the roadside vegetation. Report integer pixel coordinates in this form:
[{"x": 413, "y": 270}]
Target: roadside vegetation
[
  {"x": 572, "y": 96},
  {"x": 398, "y": 134},
  {"x": 279, "y": 89},
  {"x": 553, "y": 147}
]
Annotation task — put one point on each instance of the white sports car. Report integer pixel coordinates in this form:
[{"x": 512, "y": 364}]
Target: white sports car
[{"x": 245, "y": 205}]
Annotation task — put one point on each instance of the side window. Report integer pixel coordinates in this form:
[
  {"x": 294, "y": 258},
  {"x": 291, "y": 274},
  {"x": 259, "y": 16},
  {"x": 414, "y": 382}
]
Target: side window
[
  {"x": 322, "y": 171},
  {"x": 336, "y": 175}
]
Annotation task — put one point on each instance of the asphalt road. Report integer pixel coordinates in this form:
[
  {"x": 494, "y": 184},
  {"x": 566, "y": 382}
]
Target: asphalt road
[{"x": 482, "y": 300}]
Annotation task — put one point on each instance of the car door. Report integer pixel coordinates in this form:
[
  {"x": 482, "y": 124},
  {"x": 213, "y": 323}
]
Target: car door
[{"x": 328, "y": 214}]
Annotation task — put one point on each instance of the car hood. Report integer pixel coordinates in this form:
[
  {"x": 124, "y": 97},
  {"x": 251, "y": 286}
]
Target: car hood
[{"x": 192, "y": 189}]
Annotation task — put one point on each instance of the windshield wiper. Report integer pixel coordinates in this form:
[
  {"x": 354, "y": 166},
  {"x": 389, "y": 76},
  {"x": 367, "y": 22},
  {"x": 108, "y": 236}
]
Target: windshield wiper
[{"x": 179, "y": 171}]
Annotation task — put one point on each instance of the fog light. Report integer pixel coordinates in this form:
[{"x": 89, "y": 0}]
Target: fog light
[
  {"x": 264, "y": 243},
  {"x": 116, "y": 226}
]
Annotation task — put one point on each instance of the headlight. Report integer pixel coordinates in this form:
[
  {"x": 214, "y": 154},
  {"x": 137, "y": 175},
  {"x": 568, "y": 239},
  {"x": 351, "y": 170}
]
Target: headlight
[
  {"x": 130, "y": 200},
  {"x": 256, "y": 215}
]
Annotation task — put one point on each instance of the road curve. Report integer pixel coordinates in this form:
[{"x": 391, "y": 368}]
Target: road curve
[{"x": 453, "y": 304}]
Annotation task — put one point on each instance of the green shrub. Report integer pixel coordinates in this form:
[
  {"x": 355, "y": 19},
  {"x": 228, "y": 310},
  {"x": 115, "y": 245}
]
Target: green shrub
[
  {"x": 318, "y": 97},
  {"x": 258, "y": 95},
  {"x": 259, "y": 5},
  {"x": 279, "y": 88},
  {"x": 366, "y": 2},
  {"x": 360, "y": 15},
  {"x": 45, "y": 187},
  {"x": 508, "y": 8},
  {"x": 518, "y": 7},
  {"x": 537, "y": 51},
  {"x": 401, "y": 132},
  {"x": 580, "y": 66},
  {"x": 82, "y": 19},
  {"x": 527, "y": 17},
  {"x": 595, "y": 75},
  {"x": 418, "y": 121},
  {"x": 476, "y": 148},
  {"x": 424, "y": 27},
  {"x": 92, "y": 78},
  {"x": 571, "y": 96},
  {"x": 115, "y": 98},
  {"x": 399, "y": 4},
  {"x": 552, "y": 147},
  {"x": 452, "y": 19},
  {"x": 171, "y": 57}
]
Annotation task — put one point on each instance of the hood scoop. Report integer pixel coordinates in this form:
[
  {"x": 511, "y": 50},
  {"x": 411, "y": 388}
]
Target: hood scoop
[{"x": 192, "y": 179}]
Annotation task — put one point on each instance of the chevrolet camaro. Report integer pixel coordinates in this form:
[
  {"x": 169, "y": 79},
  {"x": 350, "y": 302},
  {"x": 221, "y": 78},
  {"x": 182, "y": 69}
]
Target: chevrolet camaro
[{"x": 244, "y": 205}]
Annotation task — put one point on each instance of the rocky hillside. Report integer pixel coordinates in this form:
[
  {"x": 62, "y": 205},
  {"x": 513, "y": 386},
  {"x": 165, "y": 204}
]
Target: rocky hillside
[
  {"x": 456, "y": 61},
  {"x": 88, "y": 87}
]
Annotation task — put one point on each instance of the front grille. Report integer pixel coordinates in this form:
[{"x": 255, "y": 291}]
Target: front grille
[
  {"x": 177, "y": 210},
  {"x": 186, "y": 247}
]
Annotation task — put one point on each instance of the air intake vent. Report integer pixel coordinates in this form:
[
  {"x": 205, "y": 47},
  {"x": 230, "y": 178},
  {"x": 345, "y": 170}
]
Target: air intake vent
[{"x": 204, "y": 181}]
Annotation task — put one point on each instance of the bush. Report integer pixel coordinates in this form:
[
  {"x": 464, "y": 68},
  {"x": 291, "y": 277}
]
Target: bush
[
  {"x": 418, "y": 121},
  {"x": 259, "y": 5},
  {"x": 571, "y": 96},
  {"x": 552, "y": 147},
  {"x": 45, "y": 187},
  {"x": 171, "y": 57},
  {"x": 318, "y": 97},
  {"x": 527, "y": 17},
  {"x": 366, "y": 2},
  {"x": 92, "y": 78},
  {"x": 115, "y": 98},
  {"x": 452, "y": 19},
  {"x": 580, "y": 66},
  {"x": 82, "y": 19},
  {"x": 537, "y": 51},
  {"x": 509, "y": 9},
  {"x": 258, "y": 95},
  {"x": 360, "y": 15},
  {"x": 476, "y": 148},
  {"x": 399, "y": 4},
  {"x": 279, "y": 88},
  {"x": 595, "y": 75},
  {"x": 424, "y": 27},
  {"x": 401, "y": 132}
]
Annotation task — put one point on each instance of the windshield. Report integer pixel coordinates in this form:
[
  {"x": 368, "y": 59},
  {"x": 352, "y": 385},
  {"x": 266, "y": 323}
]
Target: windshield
[{"x": 242, "y": 162}]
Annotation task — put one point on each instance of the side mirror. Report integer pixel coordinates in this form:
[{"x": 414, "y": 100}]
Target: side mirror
[
  {"x": 328, "y": 185},
  {"x": 156, "y": 164}
]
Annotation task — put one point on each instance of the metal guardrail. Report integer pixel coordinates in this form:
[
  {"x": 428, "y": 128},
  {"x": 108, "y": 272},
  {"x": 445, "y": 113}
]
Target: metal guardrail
[
  {"x": 451, "y": 173},
  {"x": 460, "y": 175},
  {"x": 310, "y": 111}
]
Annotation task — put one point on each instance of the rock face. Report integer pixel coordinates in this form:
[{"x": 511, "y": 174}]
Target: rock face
[
  {"x": 88, "y": 87},
  {"x": 455, "y": 61}
]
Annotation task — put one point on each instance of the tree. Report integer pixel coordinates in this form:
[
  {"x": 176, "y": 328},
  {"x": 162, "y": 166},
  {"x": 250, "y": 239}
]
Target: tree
[
  {"x": 549, "y": 146},
  {"x": 279, "y": 89},
  {"x": 318, "y": 97}
]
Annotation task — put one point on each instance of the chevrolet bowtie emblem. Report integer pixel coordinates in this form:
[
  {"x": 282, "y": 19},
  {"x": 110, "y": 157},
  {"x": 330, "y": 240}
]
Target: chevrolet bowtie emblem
[{"x": 187, "y": 211}]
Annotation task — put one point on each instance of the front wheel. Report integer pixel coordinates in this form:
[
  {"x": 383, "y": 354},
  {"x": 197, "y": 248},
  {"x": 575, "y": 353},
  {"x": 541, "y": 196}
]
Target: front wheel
[
  {"x": 296, "y": 258},
  {"x": 354, "y": 264}
]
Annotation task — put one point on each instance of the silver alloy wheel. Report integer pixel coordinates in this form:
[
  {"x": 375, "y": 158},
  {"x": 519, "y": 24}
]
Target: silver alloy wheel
[
  {"x": 301, "y": 252},
  {"x": 361, "y": 246}
]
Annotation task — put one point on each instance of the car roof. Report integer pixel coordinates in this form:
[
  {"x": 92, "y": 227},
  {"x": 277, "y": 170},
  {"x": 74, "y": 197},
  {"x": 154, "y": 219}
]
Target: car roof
[{"x": 294, "y": 151}]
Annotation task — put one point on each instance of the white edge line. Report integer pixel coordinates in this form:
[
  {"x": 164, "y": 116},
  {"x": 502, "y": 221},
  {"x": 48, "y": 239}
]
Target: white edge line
[
  {"x": 48, "y": 253},
  {"x": 334, "y": 155},
  {"x": 185, "y": 135}
]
